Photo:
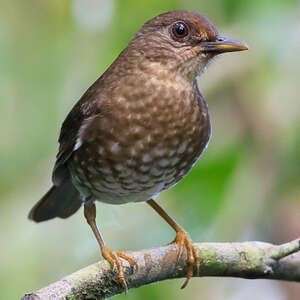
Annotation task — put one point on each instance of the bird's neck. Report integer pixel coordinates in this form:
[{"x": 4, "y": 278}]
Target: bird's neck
[{"x": 132, "y": 61}]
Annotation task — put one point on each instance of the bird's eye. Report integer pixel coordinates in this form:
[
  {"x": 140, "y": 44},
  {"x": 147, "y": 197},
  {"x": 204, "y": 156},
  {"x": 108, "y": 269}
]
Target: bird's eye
[{"x": 180, "y": 30}]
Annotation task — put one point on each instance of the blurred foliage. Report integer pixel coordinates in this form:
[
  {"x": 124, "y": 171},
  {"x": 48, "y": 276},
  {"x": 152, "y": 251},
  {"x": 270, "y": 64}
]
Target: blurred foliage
[{"x": 245, "y": 184}]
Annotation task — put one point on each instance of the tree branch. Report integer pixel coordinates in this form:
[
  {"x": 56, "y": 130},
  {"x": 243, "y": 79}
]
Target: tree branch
[{"x": 245, "y": 260}]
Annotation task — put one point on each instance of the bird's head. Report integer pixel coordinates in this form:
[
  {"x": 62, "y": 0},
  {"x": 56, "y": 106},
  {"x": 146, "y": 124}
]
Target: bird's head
[{"x": 183, "y": 41}]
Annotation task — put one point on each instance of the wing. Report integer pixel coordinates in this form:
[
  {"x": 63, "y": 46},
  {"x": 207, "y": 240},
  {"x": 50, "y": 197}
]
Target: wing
[{"x": 85, "y": 109}]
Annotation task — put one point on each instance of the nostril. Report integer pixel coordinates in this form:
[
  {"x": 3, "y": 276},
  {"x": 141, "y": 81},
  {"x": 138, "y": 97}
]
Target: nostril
[{"x": 220, "y": 39}]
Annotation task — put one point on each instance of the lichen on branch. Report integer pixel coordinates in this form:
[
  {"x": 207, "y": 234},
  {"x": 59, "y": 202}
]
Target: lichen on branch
[{"x": 245, "y": 260}]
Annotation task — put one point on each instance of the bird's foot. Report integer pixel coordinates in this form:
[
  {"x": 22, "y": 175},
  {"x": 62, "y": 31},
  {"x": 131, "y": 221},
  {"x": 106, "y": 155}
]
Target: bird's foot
[
  {"x": 113, "y": 257},
  {"x": 183, "y": 239}
]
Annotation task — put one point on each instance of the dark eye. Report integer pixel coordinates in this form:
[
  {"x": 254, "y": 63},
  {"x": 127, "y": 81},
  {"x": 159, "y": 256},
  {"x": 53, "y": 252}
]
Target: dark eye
[{"x": 180, "y": 30}]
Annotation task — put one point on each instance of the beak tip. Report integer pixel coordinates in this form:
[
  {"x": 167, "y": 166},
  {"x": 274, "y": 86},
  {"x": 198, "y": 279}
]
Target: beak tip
[
  {"x": 244, "y": 46},
  {"x": 232, "y": 45}
]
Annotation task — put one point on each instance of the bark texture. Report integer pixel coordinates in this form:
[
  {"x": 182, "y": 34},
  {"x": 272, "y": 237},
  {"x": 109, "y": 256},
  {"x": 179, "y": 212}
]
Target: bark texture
[{"x": 244, "y": 260}]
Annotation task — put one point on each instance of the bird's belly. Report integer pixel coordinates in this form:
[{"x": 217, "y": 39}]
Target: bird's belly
[
  {"x": 141, "y": 158},
  {"x": 117, "y": 195},
  {"x": 133, "y": 176}
]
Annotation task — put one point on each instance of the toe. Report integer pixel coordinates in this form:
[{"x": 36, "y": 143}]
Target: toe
[
  {"x": 131, "y": 260},
  {"x": 121, "y": 277},
  {"x": 180, "y": 245},
  {"x": 182, "y": 240},
  {"x": 114, "y": 259},
  {"x": 197, "y": 260},
  {"x": 189, "y": 274}
]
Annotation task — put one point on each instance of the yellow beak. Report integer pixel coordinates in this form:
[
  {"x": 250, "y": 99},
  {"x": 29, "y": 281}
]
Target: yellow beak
[{"x": 224, "y": 45}]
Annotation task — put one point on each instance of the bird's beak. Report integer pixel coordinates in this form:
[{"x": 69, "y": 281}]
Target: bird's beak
[{"x": 223, "y": 45}]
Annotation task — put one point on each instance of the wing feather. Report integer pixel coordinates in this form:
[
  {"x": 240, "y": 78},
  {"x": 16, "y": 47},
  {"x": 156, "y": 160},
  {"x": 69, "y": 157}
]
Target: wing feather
[{"x": 72, "y": 127}]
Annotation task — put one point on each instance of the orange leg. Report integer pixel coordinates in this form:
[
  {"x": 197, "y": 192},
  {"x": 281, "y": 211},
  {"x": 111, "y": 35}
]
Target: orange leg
[
  {"x": 113, "y": 257},
  {"x": 182, "y": 239}
]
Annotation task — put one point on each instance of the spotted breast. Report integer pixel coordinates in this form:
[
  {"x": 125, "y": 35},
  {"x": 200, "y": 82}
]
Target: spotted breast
[{"x": 145, "y": 144}]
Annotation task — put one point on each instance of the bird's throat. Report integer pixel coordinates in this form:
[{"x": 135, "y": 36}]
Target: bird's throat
[{"x": 194, "y": 67}]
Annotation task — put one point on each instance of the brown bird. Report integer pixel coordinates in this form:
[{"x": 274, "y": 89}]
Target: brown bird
[{"x": 139, "y": 128}]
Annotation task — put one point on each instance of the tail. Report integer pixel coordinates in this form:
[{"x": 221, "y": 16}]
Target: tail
[{"x": 61, "y": 201}]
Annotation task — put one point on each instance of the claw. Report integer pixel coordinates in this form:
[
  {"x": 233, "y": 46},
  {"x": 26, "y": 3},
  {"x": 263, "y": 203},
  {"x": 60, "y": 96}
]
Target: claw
[
  {"x": 114, "y": 259},
  {"x": 183, "y": 239}
]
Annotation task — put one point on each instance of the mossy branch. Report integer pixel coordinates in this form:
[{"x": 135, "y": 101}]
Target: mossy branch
[{"x": 245, "y": 260}]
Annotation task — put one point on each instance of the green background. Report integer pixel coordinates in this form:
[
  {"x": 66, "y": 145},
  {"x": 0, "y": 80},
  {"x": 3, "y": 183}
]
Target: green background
[{"x": 245, "y": 186}]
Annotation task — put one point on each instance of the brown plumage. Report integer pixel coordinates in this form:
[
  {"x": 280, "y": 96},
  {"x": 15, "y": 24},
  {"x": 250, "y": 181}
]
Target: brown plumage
[{"x": 139, "y": 128}]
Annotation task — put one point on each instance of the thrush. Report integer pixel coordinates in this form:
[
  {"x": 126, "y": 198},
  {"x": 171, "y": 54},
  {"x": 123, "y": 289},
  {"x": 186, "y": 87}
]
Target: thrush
[{"x": 139, "y": 129}]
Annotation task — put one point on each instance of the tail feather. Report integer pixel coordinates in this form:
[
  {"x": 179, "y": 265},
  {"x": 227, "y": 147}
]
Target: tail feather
[{"x": 60, "y": 201}]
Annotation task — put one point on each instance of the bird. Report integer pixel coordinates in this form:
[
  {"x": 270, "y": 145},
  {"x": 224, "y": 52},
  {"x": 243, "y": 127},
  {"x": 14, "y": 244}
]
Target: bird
[{"x": 138, "y": 129}]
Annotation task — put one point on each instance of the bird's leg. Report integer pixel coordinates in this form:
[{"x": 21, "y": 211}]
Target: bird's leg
[
  {"x": 182, "y": 239},
  {"x": 113, "y": 257}
]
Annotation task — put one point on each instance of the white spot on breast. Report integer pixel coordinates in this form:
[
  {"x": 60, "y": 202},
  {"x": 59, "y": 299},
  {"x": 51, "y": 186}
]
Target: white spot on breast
[
  {"x": 105, "y": 170},
  {"x": 118, "y": 167},
  {"x": 163, "y": 163},
  {"x": 92, "y": 170},
  {"x": 101, "y": 150},
  {"x": 159, "y": 152},
  {"x": 115, "y": 148},
  {"x": 171, "y": 152},
  {"x": 144, "y": 168},
  {"x": 131, "y": 162},
  {"x": 147, "y": 158},
  {"x": 140, "y": 145},
  {"x": 183, "y": 164},
  {"x": 155, "y": 172},
  {"x": 132, "y": 151},
  {"x": 182, "y": 147},
  {"x": 137, "y": 129},
  {"x": 174, "y": 161},
  {"x": 143, "y": 178},
  {"x": 190, "y": 149},
  {"x": 182, "y": 173},
  {"x": 97, "y": 185}
]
